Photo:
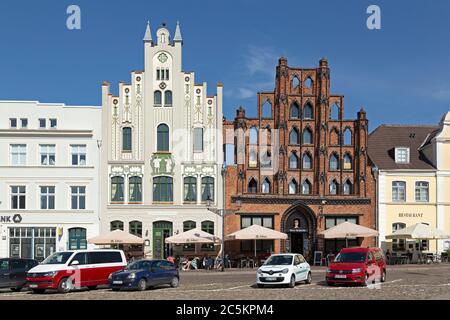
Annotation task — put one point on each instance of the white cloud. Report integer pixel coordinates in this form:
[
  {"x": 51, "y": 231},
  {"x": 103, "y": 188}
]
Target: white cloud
[
  {"x": 442, "y": 94},
  {"x": 260, "y": 60}
]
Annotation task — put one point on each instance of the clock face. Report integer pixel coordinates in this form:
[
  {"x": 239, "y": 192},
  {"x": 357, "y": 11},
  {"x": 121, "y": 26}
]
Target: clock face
[{"x": 162, "y": 57}]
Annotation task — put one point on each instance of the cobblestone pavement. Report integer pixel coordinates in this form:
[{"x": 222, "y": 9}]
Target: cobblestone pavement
[{"x": 403, "y": 282}]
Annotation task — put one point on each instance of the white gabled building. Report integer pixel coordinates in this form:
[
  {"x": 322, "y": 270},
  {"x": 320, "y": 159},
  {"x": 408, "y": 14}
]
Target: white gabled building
[
  {"x": 49, "y": 169},
  {"x": 162, "y": 151}
]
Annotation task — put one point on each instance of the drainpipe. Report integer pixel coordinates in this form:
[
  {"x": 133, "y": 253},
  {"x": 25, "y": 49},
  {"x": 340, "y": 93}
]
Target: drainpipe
[{"x": 375, "y": 172}]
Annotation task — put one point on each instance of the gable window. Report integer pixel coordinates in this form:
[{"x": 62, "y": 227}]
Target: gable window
[
  {"x": 126, "y": 139},
  {"x": 47, "y": 153},
  {"x": 18, "y": 154},
  {"x": 168, "y": 98},
  {"x": 18, "y": 194},
  {"x": 253, "y": 135},
  {"x": 348, "y": 137},
  {"x": 78, "y": 155},
  {"x": 308, "y": 111},
  {"x": 307, "y": 161},
  {"x": 402, "y": 155},
  {"x": 347, "y": 187},
  {"x": 117, "y": 189},
  {"x": 399, "y": 191},
  {"x": 295, "y": 82},
  {"x": 157, "y": 97},
  {"x": 163, "y": 138},
  {"x": 347, "y": 162},
  {"x": 267, "y": 109},
  {"x": 252, "y": 158},
  {"x": 135, "y": 185},
  {"x": 252, "y": 186},
  {"x": 190, "y": 189},
  {"x": 334, "y": 187},
  {"x": 422, "y": 191},
  {"x": 266, "y": 160},
  {"x": 198, "y": 139},
  {"x": 207, "y": 189},
  {"x": 308, "y": 84},
  {"x": 307, "y": 136},
  {"x": 47, "y": 198},
  {"x": 334, "y": 113},
  {"x": 163, "y": 189}
]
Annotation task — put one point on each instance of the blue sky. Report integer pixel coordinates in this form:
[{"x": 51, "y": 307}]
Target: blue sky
[{"x": 400, "y": 74}]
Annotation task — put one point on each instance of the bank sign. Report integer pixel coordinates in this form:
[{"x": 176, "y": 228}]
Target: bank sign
[{"x": 17, "y": 218}]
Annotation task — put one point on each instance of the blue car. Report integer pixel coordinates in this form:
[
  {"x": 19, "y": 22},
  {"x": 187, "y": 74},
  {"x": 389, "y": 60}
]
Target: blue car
[{"x": 143, "y": 274}]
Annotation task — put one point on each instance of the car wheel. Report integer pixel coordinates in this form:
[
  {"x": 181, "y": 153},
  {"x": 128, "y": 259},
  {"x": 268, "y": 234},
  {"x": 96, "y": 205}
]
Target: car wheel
[
  {"x": 366, "y": 280},
  {"x": 175, "y": 282},
  {"x": 260, "y": 285},
  {"x": 383, "y": 276},
  {"x": 292, "y": 282},
  {"x": 38, "y": 291},
  {"x": 142, "y": 285},
  {"x": 92, "y": 287},
  {"x": 65, "y": 285},
  {"x": 17, "y": 289},
  {"x": 308, "y": 278},
  {"x": 329, "y": 283}
]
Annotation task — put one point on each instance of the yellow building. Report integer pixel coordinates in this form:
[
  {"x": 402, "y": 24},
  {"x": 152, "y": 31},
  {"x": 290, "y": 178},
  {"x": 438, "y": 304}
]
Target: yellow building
[{"x": 413, "y": 181}]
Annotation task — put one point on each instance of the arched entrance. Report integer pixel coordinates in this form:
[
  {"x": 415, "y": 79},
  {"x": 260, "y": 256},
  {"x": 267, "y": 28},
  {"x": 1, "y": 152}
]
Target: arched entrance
[{"x": 300, "y": 223}]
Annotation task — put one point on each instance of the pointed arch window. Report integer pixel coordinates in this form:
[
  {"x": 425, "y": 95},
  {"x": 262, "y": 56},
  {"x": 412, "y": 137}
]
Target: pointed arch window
[
  {"x": 307, "y": 136},
  {"x": 295, "y": 111},
  {"x": 347, "y": 162},
  {"x": 308, "y": 111},
  {"x": 295, "y": 83},
  {"x": 157, "y": 98},
  {"x": 293, "y": 187},
  {"x": 252, "y": 158},
  {"x": 306, "y": 187},
  {"x": 293, "y": 161},
  {"x": 168, "y": 98},
  {"x": 307, "y": 161},
  {"x": 348, "y": 137},
  {"x": 334, "y": 187},
  {"x": 293, "y": 136},
  {"x": 267, "y": 109},
  {"x": 252, "y": 186},
  {"x": 266, "y": 160},
  {"x": 348, "y": 188},
  {"x": 334, "y": 137},
  {"x": 334, "y": 162},
  {"x": 163, "y": 138},
  {"x": 334, "y": 112},
  {"x": 308, "y": 84},
  {"x": 265, "y": 187}
]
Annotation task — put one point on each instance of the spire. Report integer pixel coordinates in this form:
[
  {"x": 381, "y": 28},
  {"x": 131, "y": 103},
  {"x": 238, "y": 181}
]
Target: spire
[
  {"x": 148, "y": 33},
  {"x": 177, "y": 36}
]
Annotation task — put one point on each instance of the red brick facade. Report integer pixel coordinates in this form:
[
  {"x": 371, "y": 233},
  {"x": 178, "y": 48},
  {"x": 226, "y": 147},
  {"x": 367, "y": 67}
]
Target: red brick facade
[{"x": 297, "y": 172}]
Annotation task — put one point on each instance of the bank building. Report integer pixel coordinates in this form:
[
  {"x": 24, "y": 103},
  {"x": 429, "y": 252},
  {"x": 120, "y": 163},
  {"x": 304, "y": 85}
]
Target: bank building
[{"x": 161, "y": 154}]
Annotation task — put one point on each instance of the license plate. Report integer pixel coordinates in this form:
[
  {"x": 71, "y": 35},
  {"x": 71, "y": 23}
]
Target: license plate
[
  {"x": 33, "y": 285},
  {"x": 271, "y": 279},
  {"x": 340, "y": 276},
  {"x": 117, "y": 282}
]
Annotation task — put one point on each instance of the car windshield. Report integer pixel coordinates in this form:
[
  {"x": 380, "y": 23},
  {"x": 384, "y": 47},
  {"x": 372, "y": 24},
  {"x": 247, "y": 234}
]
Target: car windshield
[
  {"x": 350, "y": 257},
  {"x": 58, "y": 258},
  {"x": 279, "y": 261}
]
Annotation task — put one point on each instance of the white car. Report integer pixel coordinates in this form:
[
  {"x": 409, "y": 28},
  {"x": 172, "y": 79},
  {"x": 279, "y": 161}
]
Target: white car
[{"x": 286, "y": 268}]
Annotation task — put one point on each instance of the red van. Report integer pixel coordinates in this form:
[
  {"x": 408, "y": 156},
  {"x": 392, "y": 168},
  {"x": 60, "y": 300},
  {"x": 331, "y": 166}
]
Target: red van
[
  {"x": 357, "y": 265},
  {"x": 67, "y": 270}
]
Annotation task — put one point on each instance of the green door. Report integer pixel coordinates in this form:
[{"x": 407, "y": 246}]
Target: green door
[
  {"x": 77, "y": 239},
  {"x": 161, "y": 231}
]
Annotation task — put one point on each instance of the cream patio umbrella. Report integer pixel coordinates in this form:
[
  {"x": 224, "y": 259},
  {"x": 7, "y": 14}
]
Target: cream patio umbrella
[
  {"x": 348, "y": 230},
  {"x": 116, "y": 237},
  {"x": 256, "y": 232},
  {"x": 192, "y": 236}
]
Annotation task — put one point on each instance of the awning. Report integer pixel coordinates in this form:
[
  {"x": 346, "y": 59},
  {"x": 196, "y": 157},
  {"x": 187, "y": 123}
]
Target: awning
[
  {"x": 192, "y": 236},
  {"x": 420, "y": 231}
]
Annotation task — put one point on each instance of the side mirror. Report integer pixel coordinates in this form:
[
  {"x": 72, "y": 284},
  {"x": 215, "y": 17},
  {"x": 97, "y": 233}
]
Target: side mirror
[{"x": 75, "y": 263}]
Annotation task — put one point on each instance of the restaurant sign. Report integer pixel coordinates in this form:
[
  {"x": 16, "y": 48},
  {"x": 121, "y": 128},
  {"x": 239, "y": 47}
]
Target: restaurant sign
[{"x": 410, "y": 215}]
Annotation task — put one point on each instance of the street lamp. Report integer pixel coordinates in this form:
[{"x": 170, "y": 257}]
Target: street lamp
[{"x": 321, "y": 206}]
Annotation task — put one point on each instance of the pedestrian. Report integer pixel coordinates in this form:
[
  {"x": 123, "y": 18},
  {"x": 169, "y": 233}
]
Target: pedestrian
[{"x": 171, "y": 259}]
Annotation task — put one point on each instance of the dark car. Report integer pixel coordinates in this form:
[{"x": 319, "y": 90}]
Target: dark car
[
  {"x": 13, "y": 272},
  {"x": 144, "y": 274}
]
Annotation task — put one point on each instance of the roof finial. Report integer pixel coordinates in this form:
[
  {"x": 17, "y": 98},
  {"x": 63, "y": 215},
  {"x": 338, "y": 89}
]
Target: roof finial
[
  {"x": 148, "y": 33},
  {"x": 177, "y": 36}
]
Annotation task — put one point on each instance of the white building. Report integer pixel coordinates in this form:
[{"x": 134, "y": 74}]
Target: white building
[
  {"x": 49, "y": 172},
  {"x": 162, "y": 150}
]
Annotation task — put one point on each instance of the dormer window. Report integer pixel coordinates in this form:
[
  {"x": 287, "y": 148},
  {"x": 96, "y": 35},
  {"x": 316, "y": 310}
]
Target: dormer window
[{"x": 402, "y": 155}]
